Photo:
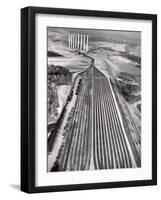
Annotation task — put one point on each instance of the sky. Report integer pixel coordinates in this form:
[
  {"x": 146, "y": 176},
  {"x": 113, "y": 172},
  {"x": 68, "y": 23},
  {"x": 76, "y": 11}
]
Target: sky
[{"x": 61, "y": 34}]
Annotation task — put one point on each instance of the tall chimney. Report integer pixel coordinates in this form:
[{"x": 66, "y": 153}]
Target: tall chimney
[
  {"x": 87, "y": 44},
  {"x": 78, "y": 42},
  {"x": 75, "y": 41},
  {"x": 84, "y": 43},
  {"x": 70, "y": 41},
  {"x": 81, "y": 41}
]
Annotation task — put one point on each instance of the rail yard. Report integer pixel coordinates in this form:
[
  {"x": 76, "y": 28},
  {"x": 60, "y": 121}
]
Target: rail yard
[{"x": 94, "y": 136}]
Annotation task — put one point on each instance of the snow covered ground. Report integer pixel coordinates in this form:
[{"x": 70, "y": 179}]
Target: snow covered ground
[
  {"x": 63, "y": 92},
  {"x": 114, "y": 46},
  {"x": 70, "y": 59},
  {"x": 59, "y": 139},
  {"x": 73, "y": 64},
  {"x": 128, "y": 67},
  {"x": 121, "y": 59},
  {"x": 112, "y": 54}
]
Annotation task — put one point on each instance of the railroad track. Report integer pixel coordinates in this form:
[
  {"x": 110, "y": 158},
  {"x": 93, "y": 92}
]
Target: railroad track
[
  {"x": 96, "y": 138},
  {"x": 112, "y": 149}
]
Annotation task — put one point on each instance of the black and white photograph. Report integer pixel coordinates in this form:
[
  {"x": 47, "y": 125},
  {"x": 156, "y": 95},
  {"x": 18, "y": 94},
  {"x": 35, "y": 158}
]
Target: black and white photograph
[
  {"x": 93, "y": 99},
  {"x": 88, "y": 99}
]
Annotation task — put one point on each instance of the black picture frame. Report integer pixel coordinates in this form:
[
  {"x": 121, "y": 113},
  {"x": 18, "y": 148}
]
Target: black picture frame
[{"x": 28, "y": 91}]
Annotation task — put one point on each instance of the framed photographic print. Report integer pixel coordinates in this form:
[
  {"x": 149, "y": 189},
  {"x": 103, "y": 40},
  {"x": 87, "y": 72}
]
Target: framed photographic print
[{"x": 88, "y": 99}]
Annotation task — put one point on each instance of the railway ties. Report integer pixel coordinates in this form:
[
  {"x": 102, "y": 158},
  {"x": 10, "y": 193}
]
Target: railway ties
[
  {"x": 82, "y": 150},
  {"x": 101, "y": 131},
  {"x": 73, "y": 162},
  {"x": 115, "y": 134},
  {"x": 70, "y": 137},
  {"x": 112, "y": 150},
  {"x": 81, "y": 130},
  {"x": 112, "y": 131},
  {"x": 95, "y": 134},
  {"x": 76, "y": 149}
]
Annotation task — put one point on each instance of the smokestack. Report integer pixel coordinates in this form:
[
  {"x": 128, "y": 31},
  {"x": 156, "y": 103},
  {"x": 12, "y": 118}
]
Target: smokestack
[
  {"x": 87, "y": 44},
  {"x": 81, "y": 47},
  {"x": 78, "y": 42},
  {"x": 73, "y": 41},
  {"x": 84, "y": 43},
  {"x": 68, "y": 40}
]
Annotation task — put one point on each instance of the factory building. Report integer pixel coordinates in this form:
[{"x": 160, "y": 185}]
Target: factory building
[{"x": 78, "y": 42}]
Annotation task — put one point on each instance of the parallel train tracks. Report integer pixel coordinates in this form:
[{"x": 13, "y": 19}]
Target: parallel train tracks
[{"x": 96, "y": 138}]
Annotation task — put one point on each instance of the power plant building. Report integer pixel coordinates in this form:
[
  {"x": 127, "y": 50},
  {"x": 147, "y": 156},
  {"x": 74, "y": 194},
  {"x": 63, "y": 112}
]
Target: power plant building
[{"x": 78, "y": 42}]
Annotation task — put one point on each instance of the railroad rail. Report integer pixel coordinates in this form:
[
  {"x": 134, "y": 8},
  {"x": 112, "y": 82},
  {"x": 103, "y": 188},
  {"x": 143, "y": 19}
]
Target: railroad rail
[{"x": 96, "y": 138}]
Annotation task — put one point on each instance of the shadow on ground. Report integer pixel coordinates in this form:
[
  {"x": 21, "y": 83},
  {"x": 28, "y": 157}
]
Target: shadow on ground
[{"x": 15, "y": 186}]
